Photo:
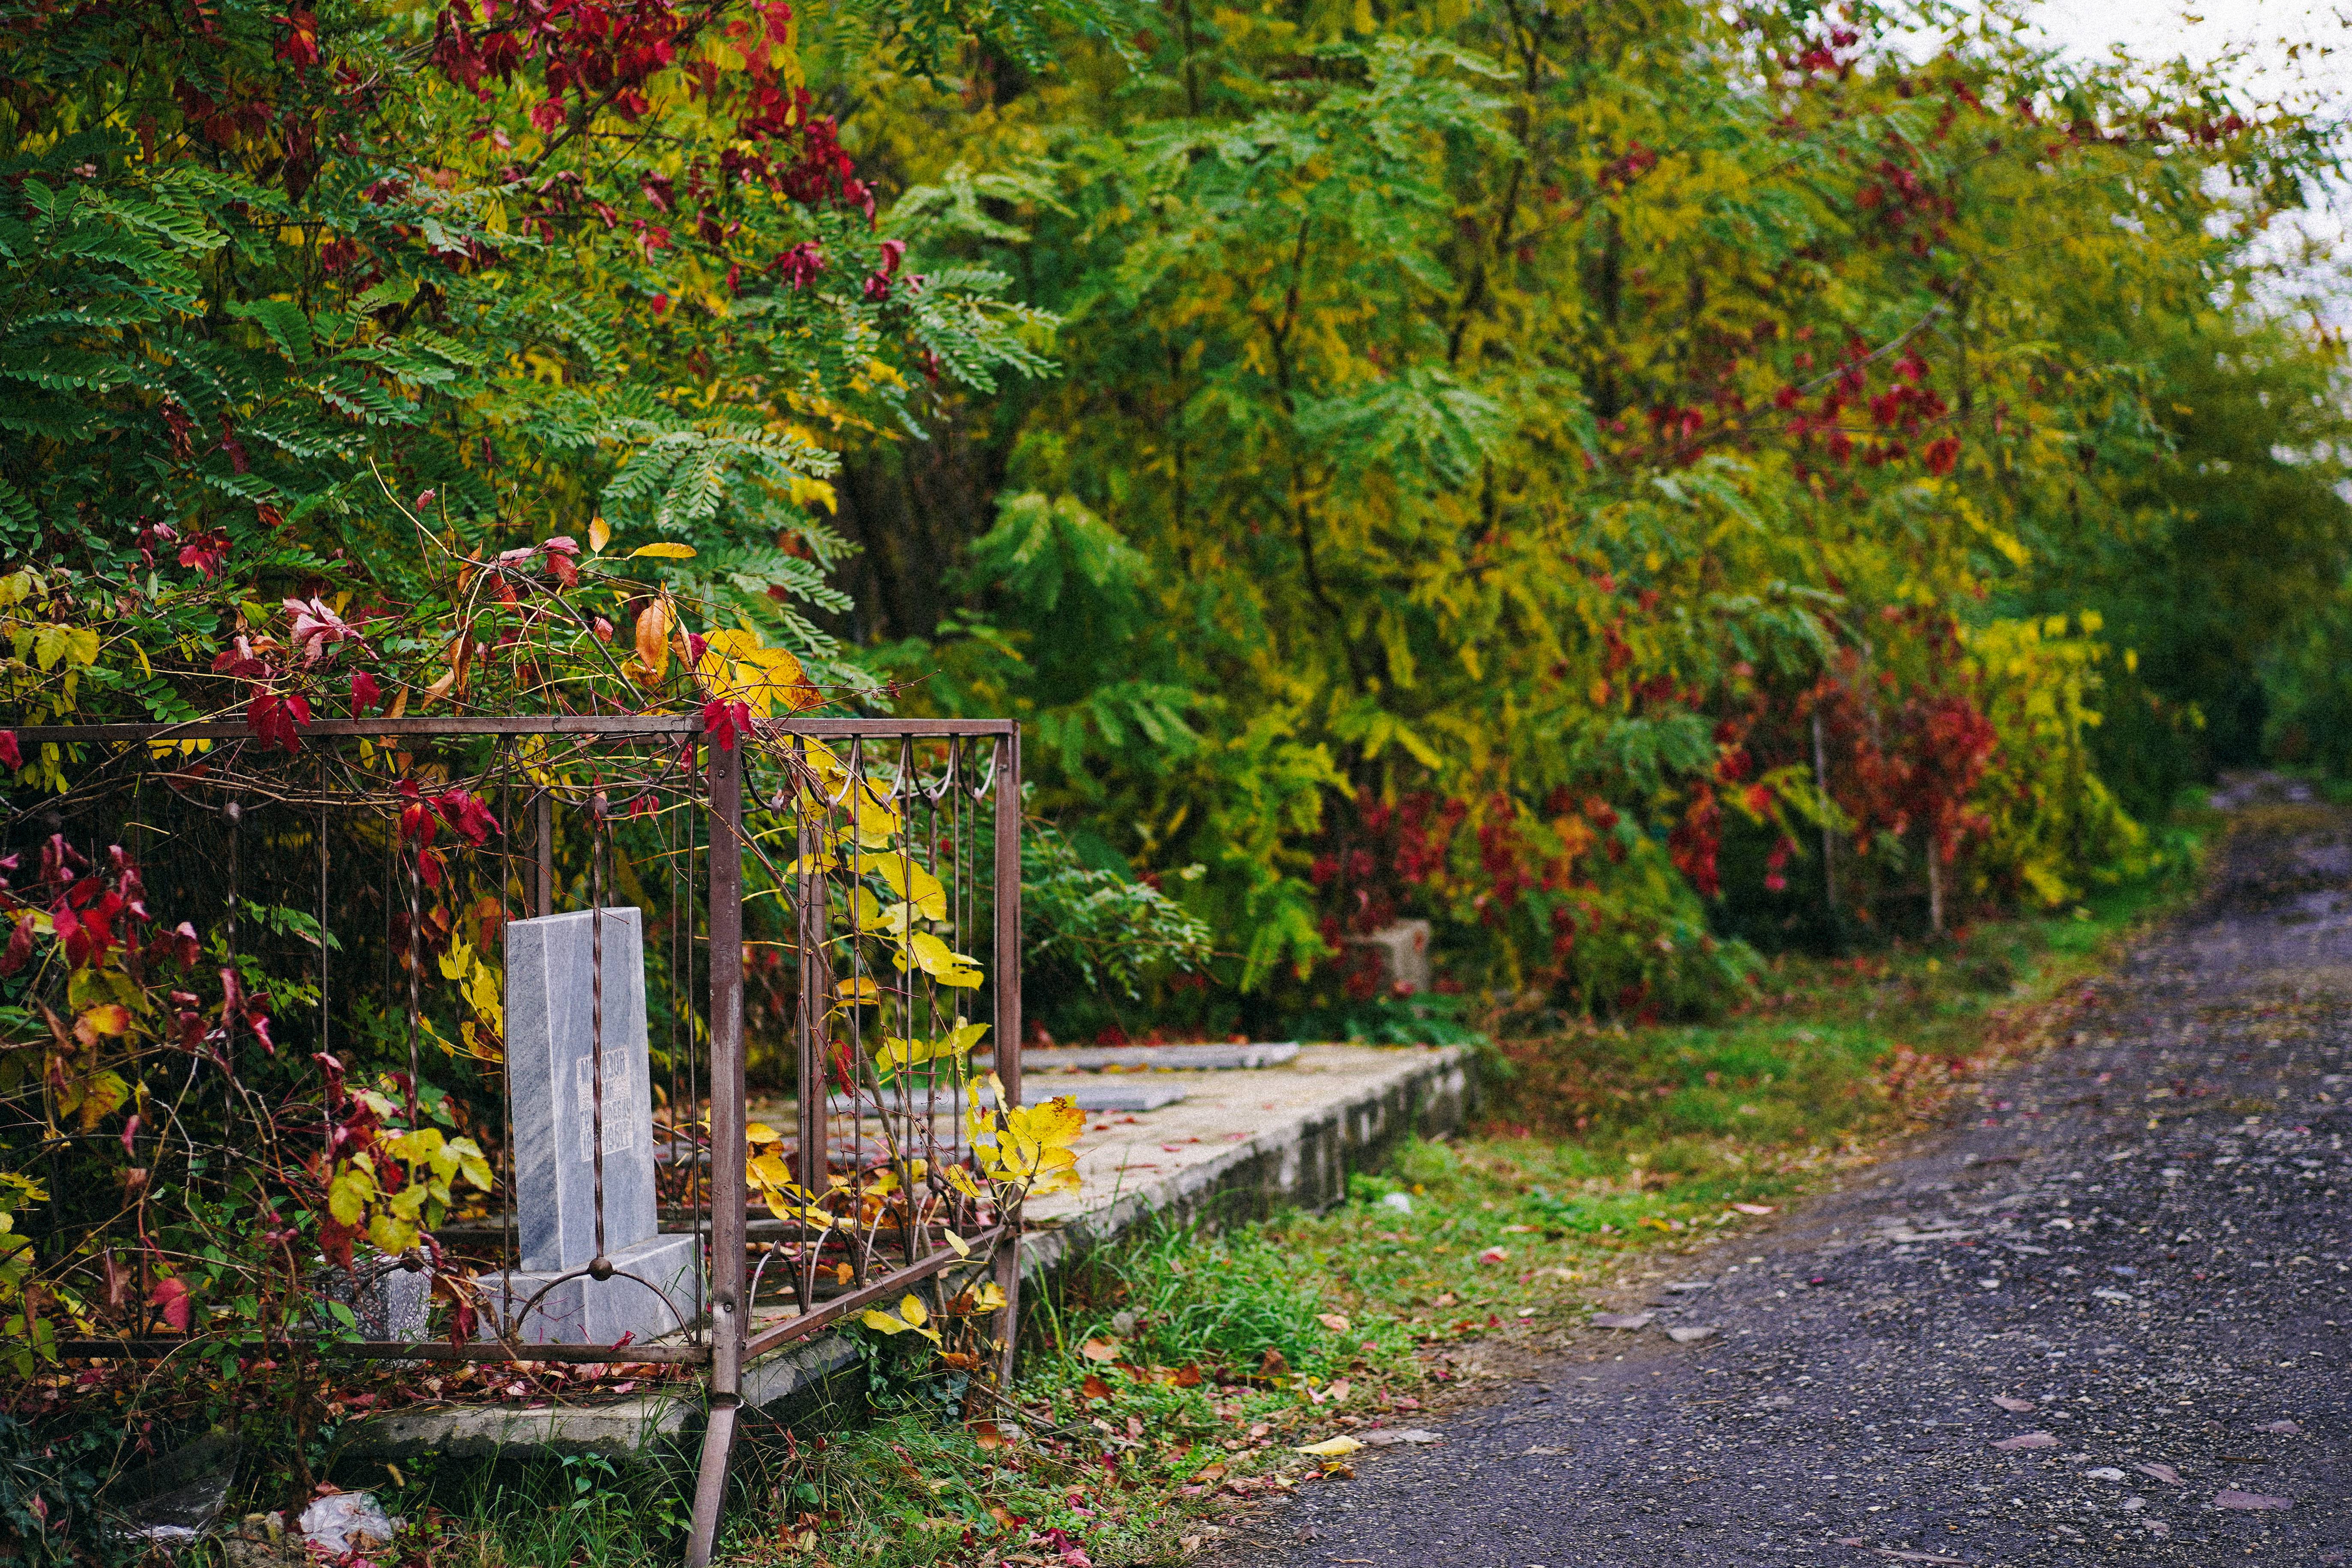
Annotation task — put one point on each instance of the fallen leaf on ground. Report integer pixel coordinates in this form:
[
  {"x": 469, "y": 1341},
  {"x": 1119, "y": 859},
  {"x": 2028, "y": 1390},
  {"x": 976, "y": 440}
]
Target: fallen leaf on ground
[
  {"x": 1622, "y": 1320},
  {"x": 1335, "y": 1321},
  {"x": 1550, "y": 1451},
  {"x": 2104, "y": 1473},
  {"x": 1917, "y": 1556},
  {"x": 1331, "y": 1447},
  {"x": 1494, "y": 1255},
  {"x": 2289, "y": 1427},
  {"x": 985, "y": 1436},
  {"x": 1381, "y": 1436},
  {"x": 2163, "y": 1473},
  {"x": 1754, "y": 1208},
  {"x": 1094, "y": 1388},
  {"x": 1691, "y": 1336},
  {"x": 2234, "y": 1498},
  {"x": 2007, "y": 1403},
  {"x": 1099, "y": 1350},
  {"x": 2029, "y": 1440}
]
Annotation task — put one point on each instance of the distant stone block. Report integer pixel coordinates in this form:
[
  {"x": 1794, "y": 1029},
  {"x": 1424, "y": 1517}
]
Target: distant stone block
[
  {"x": 389, "y": 1303},
  {"x": 1403, "y": 951}
]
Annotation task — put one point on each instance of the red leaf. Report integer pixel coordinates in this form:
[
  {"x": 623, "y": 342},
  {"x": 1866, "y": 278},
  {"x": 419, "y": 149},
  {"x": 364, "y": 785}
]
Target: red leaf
[
  {"x": 277, "y": 719},
  {"x": 19, "y": 951},
  {"x": 723, "y": 721},
  {"x": 365, "y": 692},
  {"x": 170, "y": 1298},
  {"x": 8, "y": 751}
]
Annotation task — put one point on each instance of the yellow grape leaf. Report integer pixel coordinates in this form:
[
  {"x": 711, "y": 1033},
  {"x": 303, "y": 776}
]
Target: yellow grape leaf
[
  {"x": 390, "y": 1236},
  {"x": 893, "y": 1054},
  {"x": 103, "y": 1095},
  {"x": 472, "y": 1163},
  {"x": 873, "y": 819},
  {"x": 961, "y": 1180},
  {"x": 962, "y": 1247},
  {"x": 988, "y": 1298},
  {"x": 665, "y": 550},
  {"x": 935, "y": 959},
  {"x": 910, "y": 882},
  {"x": 600, "y": 534},
  {"x": 776, "y": 680},
  {"x": 348, "y": 1193},
  {"x": 107, "y": 1018},
  {"x": 760, "y": 1132},
  {"x": 859, "y": 991}
]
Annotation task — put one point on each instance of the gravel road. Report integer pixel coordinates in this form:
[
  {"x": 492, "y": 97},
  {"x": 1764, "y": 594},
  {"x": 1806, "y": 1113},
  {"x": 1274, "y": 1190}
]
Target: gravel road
[{"x": 2100, "y": 1317}]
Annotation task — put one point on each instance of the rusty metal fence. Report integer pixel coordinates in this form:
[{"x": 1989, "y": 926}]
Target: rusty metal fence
[{"x": 705, "y": 1010}]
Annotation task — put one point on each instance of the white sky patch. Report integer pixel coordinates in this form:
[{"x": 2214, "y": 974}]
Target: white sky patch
[{"x": 2270, "y": 51}]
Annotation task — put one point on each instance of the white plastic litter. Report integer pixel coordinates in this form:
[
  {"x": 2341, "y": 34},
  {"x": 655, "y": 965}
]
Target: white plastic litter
[{"x": 346, "y": 1521}]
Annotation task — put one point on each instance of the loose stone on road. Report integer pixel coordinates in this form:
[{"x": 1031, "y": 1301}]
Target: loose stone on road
[{"x": 2100, "y": 1319}]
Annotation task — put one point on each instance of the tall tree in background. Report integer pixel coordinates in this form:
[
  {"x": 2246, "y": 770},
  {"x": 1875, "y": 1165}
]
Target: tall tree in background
[{"x": 1496, "y": 443}]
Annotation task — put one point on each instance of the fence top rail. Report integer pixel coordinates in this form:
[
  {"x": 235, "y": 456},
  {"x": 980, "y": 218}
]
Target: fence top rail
[{"x": 621, "y": 726}]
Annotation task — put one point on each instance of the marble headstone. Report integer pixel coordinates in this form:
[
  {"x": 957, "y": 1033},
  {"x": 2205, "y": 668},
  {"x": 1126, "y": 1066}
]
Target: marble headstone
[{"x": 552, "y": 1070}]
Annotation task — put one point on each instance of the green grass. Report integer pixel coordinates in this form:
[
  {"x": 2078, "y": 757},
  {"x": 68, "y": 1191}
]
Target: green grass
[{"x": 1215, "y": 1357}]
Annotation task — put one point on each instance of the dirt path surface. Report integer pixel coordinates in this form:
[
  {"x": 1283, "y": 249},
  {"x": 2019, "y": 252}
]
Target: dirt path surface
[{"x": 2143, "y": 1234}]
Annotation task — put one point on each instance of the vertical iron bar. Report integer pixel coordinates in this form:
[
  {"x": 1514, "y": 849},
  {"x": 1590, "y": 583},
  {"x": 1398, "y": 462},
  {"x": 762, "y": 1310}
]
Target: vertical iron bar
[
  {"x": 1008, "y": 917},
  {"x": 543, "y": 840},
  {"x": 1008, "y": 1021},
  {"x": 730, "y": 1311},
  {"x": 599, "y": 837}
]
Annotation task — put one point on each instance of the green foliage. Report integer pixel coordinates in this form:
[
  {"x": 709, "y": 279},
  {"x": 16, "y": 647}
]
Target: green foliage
[{"x": 1539, "y": 415}]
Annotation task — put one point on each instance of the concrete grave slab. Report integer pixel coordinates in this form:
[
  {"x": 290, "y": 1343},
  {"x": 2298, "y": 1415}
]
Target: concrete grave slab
[{"x": 553, "y": 1065}]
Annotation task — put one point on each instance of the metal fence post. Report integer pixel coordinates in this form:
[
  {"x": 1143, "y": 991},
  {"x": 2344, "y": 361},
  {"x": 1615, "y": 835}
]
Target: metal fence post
[
  {"x": 730, "y": 1313},
  {"x": 1008, "y": 1017}
]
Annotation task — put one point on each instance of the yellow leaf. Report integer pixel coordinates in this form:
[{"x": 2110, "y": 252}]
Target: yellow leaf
[
  {"x": 910, "y": 882},
  {"x": 760, "y": 1132},
  {"x": 1330, "y": 1449},
  {"x": 390, "y": 1236},
  {"x": 935, "y": 959},
  {"x": 857, "y": 991},
  {"x": 102, "y": 1095},
  {"x": 600, "y": 534},
  {"x": 348, "y": 1193},
  {"x": 962, "y": 1247},
  {"x": 1099, "y": 1350},
  {"x": 108, "y": 1018},
  {"x": 666, "y": 550}
]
